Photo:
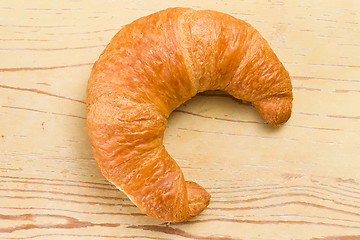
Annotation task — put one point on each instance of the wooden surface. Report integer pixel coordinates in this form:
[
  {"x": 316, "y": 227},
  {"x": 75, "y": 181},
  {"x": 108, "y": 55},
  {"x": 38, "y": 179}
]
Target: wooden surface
[{"x": 299, "y": 181}]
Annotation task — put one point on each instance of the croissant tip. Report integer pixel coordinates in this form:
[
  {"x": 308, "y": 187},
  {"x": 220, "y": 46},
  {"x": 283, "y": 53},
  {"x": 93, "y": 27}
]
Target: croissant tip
[
  {"x": 198, "y": 197},
  {"x": 275, "y": 111}
]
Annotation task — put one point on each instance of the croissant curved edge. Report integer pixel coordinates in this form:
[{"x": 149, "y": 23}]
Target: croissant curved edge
[{"x": 149, "y": 68}]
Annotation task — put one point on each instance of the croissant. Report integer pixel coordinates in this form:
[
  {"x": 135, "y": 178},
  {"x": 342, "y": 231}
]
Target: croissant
[{"x": 149, "y": 68}]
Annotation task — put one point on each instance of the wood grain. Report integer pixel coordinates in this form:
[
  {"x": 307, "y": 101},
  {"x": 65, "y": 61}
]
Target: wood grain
[{"x": 299, "y": 181}]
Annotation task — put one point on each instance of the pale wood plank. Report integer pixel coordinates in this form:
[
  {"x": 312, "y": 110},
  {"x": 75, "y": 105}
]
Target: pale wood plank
[{"x": 300, "y": 181}]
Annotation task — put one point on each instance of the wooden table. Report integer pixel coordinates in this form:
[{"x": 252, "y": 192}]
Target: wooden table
[{"x": 299, "y": 181}]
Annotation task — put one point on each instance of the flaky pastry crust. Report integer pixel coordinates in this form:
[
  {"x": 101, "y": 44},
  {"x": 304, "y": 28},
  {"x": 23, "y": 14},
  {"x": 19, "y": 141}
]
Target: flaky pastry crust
[{"x": 152, "y": 66}]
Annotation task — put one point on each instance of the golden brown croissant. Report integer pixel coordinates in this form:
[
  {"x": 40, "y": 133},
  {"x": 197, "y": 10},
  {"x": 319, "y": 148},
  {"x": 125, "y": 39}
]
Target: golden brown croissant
[{"x": 149, "y": 68}]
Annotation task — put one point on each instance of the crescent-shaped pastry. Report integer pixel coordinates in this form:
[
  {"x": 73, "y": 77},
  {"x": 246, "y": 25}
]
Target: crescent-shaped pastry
[{"x": 152, "y": 66}]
